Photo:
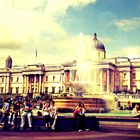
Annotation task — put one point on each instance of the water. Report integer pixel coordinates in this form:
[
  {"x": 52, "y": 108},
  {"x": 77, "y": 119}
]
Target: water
[{"x": 89, "y": 74}]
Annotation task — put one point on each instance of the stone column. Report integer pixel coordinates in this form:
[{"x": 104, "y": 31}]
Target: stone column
[
  {"x": 34, "y": 83},
  {"x": 42, "y": 80},
  {"x": 112, "y": 81},
  {"x": 108, "y": 77},
  {"x": 129, "y": 81},
  {"x": 27, "y": 83},
  {"x": 7, "y": 84},
  {"x": 39, "y": 84},
  {"x": 23, "y": 83},
  {"x": 70, "y": 75},
  {"x": 101, "y": 81},
  {"x": 4, "y": 84},
  {"x": 61, "y": 81}
]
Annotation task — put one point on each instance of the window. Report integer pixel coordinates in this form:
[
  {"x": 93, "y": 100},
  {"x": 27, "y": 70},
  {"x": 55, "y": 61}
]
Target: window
[
  {"x": 46, "y": 78},
  {"x": 2, "y": 89},
  {"x": 53, "y": 89},
  {"x": 2, "y": 79},
  {"x": 17, "y": 89},
  {"x": 124, "y": 76},
  {"x": 46, "y": 89},
  {"x": 59, "y": 89},
  {"x": 17, "y": 79},
  {"x": 53, "y": 78}
]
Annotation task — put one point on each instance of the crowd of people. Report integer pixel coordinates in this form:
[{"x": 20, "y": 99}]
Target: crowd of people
[{"x": 24, "y": 107}]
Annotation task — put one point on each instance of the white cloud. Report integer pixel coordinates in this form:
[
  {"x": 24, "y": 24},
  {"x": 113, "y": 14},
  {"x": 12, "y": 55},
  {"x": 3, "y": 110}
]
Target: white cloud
[
  {"x": 22, "y": 4},
  {"x": 56, "y": 7},
  {"x": 128, "y": 24},
  {"x": 33, "y": 24},
  {"x": 130, "y": 51},
  {"x": 58, "y": 51}
]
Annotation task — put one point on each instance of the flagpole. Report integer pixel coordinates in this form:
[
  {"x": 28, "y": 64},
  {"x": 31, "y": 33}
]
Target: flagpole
[{"x": 36, "y": 56}]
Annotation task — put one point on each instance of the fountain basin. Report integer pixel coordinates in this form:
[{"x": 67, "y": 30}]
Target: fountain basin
[{"x": 91, "y": 104}]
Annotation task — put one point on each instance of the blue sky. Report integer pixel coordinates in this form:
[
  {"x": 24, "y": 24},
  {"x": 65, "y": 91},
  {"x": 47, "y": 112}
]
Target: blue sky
[{"x": 53, "y": 27}]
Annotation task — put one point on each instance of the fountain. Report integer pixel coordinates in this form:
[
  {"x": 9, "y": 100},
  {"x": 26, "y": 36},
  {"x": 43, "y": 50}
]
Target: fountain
[
  {"x": 89, "y": 80},
  {"x": 89, "y": 74}
]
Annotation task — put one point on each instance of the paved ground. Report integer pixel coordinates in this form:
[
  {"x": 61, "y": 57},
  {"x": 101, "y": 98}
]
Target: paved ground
[
  {"x": 108, "y": 131},
  {"x": 105, "y": 133}
]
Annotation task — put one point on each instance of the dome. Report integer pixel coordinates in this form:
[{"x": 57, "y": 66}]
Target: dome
[{"x": 97, "y": 44}]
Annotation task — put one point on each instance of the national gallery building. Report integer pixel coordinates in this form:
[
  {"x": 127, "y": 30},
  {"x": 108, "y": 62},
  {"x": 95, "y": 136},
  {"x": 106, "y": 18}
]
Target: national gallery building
[{"x": 107, "y": 75}]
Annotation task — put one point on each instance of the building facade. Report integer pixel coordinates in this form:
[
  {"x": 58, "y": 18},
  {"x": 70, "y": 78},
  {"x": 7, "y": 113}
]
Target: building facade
[{"x": 114, "y": 75}]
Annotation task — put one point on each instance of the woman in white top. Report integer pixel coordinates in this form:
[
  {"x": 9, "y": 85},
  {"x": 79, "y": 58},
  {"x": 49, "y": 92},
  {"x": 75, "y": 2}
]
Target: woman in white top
[
  {"x": 46, "y": 113},
  {"x": 136, "y": 113}
]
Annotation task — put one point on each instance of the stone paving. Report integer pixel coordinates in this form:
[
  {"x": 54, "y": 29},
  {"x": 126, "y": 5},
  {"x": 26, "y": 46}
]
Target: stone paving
[{"x": 102, "y": 134}]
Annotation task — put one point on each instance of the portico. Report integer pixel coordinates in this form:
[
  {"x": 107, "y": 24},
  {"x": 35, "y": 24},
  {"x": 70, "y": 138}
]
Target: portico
[{"x": 32, "y": 79}]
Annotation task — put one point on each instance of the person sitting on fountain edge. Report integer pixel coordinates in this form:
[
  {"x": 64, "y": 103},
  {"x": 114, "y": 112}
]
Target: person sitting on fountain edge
[
  {"x": 14, "y": 112},
  {"x": 5, "y": 113},
  {"x": 27, "y": 111}
]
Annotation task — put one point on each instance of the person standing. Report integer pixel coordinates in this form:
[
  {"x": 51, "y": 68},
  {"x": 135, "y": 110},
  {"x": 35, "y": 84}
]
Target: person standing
[
  {"x": 136, "y": 113},
  {"x": 46, "y": 114},
  {"x": 79, "y": 115},
  {"x": 53, "y": 114}
]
